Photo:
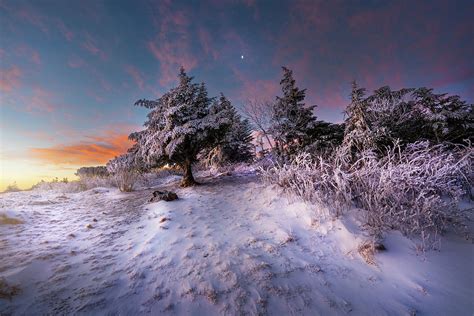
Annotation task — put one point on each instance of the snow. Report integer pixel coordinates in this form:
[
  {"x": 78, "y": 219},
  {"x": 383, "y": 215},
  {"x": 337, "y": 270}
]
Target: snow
[{"x": 230, "y": 246}]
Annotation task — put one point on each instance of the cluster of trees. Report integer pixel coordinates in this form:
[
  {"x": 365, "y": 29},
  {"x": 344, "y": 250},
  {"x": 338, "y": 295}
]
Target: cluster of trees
[
  {"x": 186, "y": 125},
  {"x": 288, "y": 126},
  {"x": 404, "y": 157},
  {"x": 372, "y": 121}
]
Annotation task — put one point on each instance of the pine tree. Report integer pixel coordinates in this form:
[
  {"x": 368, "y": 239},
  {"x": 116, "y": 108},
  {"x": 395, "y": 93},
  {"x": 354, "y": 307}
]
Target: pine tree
[
  {"x": 357, "y": 133},
  {"x": 292, "y": 121},
  {"x": 325, "y": 138},
  {"x": 234, "y": 142},
  {"x": 179, "y": 127}
]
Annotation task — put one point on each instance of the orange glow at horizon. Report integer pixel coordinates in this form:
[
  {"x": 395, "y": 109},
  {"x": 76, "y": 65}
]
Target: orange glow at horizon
[
  {"x": 60, "y": 161},
  {"x": 98, "y": 152}
]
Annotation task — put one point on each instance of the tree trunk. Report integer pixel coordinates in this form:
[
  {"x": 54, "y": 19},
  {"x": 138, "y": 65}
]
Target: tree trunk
[{"x": 188, "y": 179}]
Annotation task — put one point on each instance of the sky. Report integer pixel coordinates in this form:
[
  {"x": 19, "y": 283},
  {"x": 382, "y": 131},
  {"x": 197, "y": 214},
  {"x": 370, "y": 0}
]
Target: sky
[{"x": 70, "y": 70}]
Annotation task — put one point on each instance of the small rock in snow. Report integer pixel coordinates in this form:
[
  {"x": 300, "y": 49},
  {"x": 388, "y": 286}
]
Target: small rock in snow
[
  {"x": 89, "y": 226},
  {"x": 163, "y": 195},
  {"x": 164, "y": 219}
]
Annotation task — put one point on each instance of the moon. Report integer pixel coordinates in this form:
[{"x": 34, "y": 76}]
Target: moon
[{"x": 241, "y": 56}]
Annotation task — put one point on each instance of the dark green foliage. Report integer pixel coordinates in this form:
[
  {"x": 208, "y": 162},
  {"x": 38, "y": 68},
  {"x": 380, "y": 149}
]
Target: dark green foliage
[
  {"x": 292, "y": 121},
  {"x": 325, "y": 138},
  {"x": 233, "y": 141}
]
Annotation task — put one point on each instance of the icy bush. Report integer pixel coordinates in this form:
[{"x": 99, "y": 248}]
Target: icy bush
[
  {"x": 83, "y": 184},
  {"x": 125, "y": 179},
  {"x": 319, "y": 181},
  {"x": 87, "y": 183},
  {"x": 12, "y": 188},
  {"x": 124, "y": 171},
  {"x": 89, "y": 178},
  {"x": 415, "y": 190}
]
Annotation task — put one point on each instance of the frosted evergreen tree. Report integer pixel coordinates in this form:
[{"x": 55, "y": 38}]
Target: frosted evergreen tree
[
  {"x": 292, "y": 121},
  {"x": 179, "y": 127},
  {"x": 239, "y": 145},
  {"x": 357, "y": 134},
  {"x": 234, "y": 142}
]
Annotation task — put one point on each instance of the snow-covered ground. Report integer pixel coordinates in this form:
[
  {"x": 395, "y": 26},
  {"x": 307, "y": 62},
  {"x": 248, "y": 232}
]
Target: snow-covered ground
[{"x": 230, "y": 246}]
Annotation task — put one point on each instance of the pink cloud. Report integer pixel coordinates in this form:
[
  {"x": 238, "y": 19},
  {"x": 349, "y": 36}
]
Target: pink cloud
[
  {"x": 65, "y": 31},
  {"x": 252, "y": 4},
  {"x": 172, "y": 56},
  {"x": 90, "y": 45},
  {"x": 33, "y": 17},
  {"x": 314, "y": 16},
  {"x": 136, "y": 75},
  {"x": 172, "y": 45},
  {"x": 105, "y": 84},
  {"x": 234, "y": 38},
  {"x": 10, "y": 79},
  {"x": 76, "y": 62},
  {"x": 35, "y": 58},
  {"x": 30, "y": 53},
  {"x": 206, "y": 43},
  {"x": 95, "y": 96},
  {"x": 41, "y": 101},
  {"x": 260, "y": 89}
]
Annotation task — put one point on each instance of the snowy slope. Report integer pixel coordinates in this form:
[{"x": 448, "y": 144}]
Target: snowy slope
[{"x": 231, "y": 246}]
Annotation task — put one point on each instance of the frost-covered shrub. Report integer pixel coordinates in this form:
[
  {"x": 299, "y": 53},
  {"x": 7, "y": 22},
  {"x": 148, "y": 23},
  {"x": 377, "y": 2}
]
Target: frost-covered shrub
[
  {"x": 317, "y": 180},
  {"x": 125, "y": 179},
  {"x": 89, "y": 177},
  {"x": 87, "y": 183},
  {"x": 415, "y": 190},
  {"x": 12, "y": 188},
  {"x": 125, "y": 171},
  {"x": 83, "y": 184}
]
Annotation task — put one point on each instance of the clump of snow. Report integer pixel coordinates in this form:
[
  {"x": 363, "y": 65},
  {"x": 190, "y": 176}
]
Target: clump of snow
[{"x": 229, "y": 246}]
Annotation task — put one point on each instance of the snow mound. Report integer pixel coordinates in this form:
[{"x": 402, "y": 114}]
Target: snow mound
[{"x": 229, "y": 246}]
